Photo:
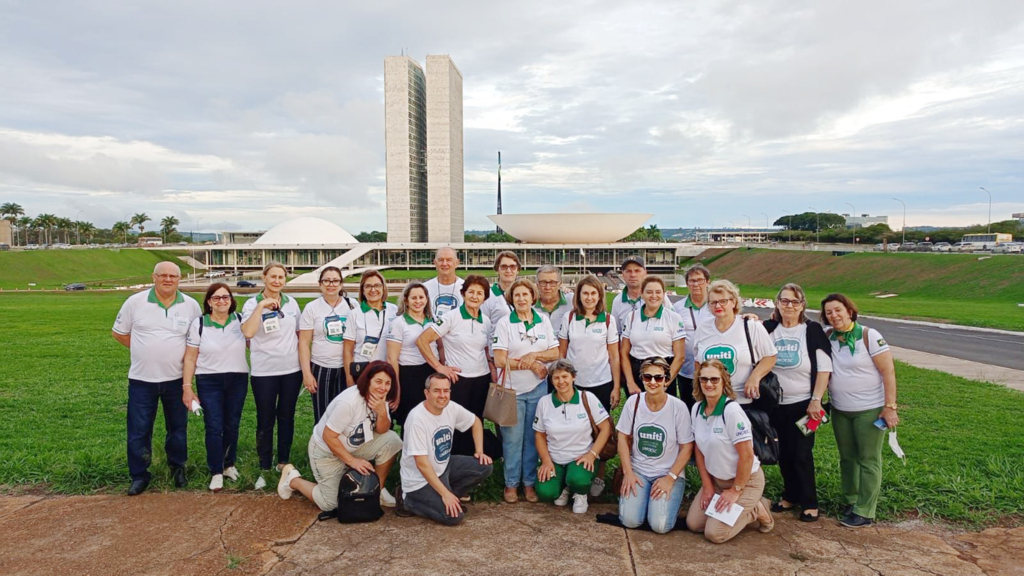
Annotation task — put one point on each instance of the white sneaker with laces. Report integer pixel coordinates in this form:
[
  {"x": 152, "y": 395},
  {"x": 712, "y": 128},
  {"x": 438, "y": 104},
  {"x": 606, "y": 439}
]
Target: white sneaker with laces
[
  {"x": 260, "y": 483},
  {"x": 386, "y": 499},
  {"x": 597, "y": 487},
  {"x": 217, "y": 482},
  {"x": 563, "y": 498},
  {"x": 579, "y": 503},
  {"x": 231, "y": 473},
  {"x": 288, "y": 473}
]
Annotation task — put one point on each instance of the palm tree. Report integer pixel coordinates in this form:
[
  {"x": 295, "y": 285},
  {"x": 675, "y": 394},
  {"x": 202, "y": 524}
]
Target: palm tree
[
  {"x": 85, "y": 229},
  {"x": 64, "y": 225},
  {"x": 46, "y": 222},
  {"x": 167, "y": 225},
  {"x": 25, "y": 223},
  {"x": 10, "y": 211},
  {"x": 121, "y": 228},
  {"x": 140, "y": 220}
]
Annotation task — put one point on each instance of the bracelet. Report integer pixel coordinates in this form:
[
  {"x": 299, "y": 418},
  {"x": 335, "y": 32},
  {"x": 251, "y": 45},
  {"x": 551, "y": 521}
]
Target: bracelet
[
  {"x": 595, "y": 454},
  {"x": 818, "y": 398},
  {"x": 673, "y": 476}
]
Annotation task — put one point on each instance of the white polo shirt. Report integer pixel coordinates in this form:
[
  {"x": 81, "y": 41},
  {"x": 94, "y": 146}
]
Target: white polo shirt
[
  {"x": 519, "y": 338},
  {"x": 158, "y": 334},
  {"x": 692, "y": 316},
  {"x": 793, "y": 362},
  {"x": 350, "y": 416},
  {"x": 717, "y": 436},
  {"x": 430, "y": 435},
  {"x": 275, "y": 353},
  {"x": 623, "y": 307},
  {"x": 221, "y": 347},
  {"x": 404, "y": 331},
  {"x": 588, "y": 347},
  {"x": 444, "y": 297},
  {"x": 368, "y": 328},
  {"x": 856, "y": 383},
  {"x": 649, "y": 337},
  {"x": 562, "y": 309},
  {"x": 657, "y": 435},
  {"x": 567, "y": 426},
  {"x": 328, "y": 325},
  {"x": 465, "y": 341},
  {"x": 495, "y": 307},
  {"x": 731, "y": 348}
]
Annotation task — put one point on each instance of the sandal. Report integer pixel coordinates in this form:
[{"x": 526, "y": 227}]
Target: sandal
[
  {"x": 806, "y": 517},
  {"x": 778, "y": 507}
]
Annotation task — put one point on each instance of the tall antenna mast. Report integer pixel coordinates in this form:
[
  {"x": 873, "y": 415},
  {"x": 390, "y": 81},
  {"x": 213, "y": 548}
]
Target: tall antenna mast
[{"x": 499, "y": 188}]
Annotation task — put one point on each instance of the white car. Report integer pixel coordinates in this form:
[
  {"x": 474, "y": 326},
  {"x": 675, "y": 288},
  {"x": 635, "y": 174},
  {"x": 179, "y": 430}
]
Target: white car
[
  {"x": 941, "y": 247},
  {"x": 1008, "y": 248},
  {"x": 32, "y": 247},
  {"x": 961, "y": 247}
]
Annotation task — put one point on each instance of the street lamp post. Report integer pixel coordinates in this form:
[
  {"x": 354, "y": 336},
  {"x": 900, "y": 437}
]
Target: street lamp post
[
  {"x": 904, "y": 241},
  {"x": 125, "y": 219},
  {"x": 817, "y": 225},
  {"x": 78, "y": 235},
  {"x": 853, "y": 214},
  {"x": 767, "y": 226},
  {"x": 989, "y": 229},
  {"x": 790, "y": 228}
]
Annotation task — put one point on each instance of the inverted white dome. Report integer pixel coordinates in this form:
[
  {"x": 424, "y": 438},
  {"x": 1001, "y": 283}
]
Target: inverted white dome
[
  {"x": 306, "y": 231},
  {"x": 570, "y": 228}
]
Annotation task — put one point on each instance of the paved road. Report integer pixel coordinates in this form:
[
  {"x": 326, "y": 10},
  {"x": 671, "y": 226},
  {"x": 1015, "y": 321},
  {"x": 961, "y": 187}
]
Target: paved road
[{"x": 994, "y": 348}]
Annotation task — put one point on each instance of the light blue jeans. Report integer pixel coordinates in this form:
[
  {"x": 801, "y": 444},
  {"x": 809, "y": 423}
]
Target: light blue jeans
[
  {"x": 661, "y": 513},
  {"x": 517, "y": 442}
]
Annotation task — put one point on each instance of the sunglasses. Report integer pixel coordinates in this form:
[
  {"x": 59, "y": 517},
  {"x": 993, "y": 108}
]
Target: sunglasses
[
  {"x": 659, "y": 378},
  {"x": 710, "y": 379}
]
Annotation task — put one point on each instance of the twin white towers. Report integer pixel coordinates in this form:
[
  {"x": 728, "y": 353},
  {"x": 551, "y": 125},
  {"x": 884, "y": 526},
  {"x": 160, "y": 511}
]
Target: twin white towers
[{"x": 423, "y": 140}]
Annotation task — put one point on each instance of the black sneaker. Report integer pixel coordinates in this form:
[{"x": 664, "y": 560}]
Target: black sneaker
[
  {"x": 138, "y": 487},
  {"x": 856, "y": 521},
  {"x": 847, "y": 510},
  {"x": 400, "y": 509},
  {"x": 178, "y": 474}
]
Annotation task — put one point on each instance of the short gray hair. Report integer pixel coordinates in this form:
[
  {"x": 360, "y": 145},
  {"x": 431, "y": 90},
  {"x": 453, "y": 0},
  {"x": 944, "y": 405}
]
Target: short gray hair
[
  {"x": 549, "y": 268},
  {"x": 434, "y": 376},
  {"x": 156, "y": 269},
  {"x": 697, "y": 269},
  {"x": 565, "y": 365},
  {"x": 443, "y": 248}
]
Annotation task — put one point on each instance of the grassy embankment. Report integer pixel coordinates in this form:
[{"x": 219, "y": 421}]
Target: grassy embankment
[
  {"x": 957, "y": 288},
  {"x": 64, "y": 394},
  {"x": 50, "y": 269}
]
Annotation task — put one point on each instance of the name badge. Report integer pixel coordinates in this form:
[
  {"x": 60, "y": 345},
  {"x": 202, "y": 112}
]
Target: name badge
[
  {"x": 271, "y": 323},
  {"x": 369, "y": 347},
  {"x": 180, "y": 324},
  {"x": 334, "y": 326},
  {"x": 442, "y": 309}
]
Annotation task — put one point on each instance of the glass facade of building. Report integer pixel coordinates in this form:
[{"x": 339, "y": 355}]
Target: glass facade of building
[{"x": 417, "y": 154}]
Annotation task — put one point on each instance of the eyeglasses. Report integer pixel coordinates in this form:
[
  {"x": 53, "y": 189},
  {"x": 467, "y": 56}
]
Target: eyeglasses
[
  {"x": 331, "y": 282},
  {"x": 508, "y": 267},
  {"x": 788, "y": 302},
  {"x": 697, "y": 282},
  {"x": 659, "y": 378},
  {"x": 167, "y": 276},
  {"x": 221, "y": 298},
  {"x": 549, "y": 283},
  {"x": 710, "y": 379},
  {"x": 722, "y": 302},
  {"x": 373, "y": 287}
]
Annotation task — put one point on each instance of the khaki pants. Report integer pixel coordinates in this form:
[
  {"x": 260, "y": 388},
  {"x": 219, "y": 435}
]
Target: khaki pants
[
  {"x": 717, "y": 531},
  {"x": 328, "y": 468}
]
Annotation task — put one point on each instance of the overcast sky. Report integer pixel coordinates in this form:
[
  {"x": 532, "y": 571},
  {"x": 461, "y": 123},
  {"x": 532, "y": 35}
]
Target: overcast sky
[{"x": 239, "y": 115}]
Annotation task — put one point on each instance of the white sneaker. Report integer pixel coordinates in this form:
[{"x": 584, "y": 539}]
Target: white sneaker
[
  {"x": 217, "y": 482},
  {"x": 288, "y": 473},
  {"x": 579, "y": 503},
  {"x": 386, "y": 499},
  {"x": 260, "y": 483},
  {"x": 597, "y": 487},
  {"x": 231, "y": 473},
  {"x": 563, "y": 498}
]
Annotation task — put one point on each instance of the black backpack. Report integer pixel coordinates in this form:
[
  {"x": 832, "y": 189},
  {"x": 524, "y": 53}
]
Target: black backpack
[{"x": 358, "y": 498}]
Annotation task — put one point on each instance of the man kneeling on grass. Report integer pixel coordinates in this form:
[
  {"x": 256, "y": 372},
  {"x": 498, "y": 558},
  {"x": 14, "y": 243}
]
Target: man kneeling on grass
[{"x": 433, "y": 480}]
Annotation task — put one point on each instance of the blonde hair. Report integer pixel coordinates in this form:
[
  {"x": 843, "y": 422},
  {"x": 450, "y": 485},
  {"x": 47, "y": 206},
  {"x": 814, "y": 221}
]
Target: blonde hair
[
  {"x": 698, "y": 392},
  {"x": 403, "y": 302},
  {"x": 729, "y": 289},
  {"x": 274, "y": 264}
]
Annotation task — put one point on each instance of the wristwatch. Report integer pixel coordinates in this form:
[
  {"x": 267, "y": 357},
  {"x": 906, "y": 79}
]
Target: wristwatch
[
  {"x": 818, "y": 398},
  {"x": 737, "y": 487},
  {"x": 892, "y": 405}
]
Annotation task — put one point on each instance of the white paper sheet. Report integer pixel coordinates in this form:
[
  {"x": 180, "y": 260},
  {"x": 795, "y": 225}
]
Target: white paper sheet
[{"x": 729, "y": 516}]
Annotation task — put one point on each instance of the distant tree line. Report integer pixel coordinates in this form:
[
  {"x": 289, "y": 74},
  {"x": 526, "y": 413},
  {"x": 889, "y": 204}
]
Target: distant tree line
[{"x": 51, "y": 229}]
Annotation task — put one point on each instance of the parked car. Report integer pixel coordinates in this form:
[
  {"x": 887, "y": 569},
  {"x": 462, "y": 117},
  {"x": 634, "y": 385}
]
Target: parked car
[
  {"x": 961, "y": 247},
  {"x": 941, "y": 247},
  {"x": 215, "y": 274},
  {"x": 4, "y": 246},
  {"x": 75, "y": 286},
  {"x": 907, "y": 247},
  {"x": 32, "y": 247},
  {"x": 1008, "y": 248},
  {"x": 245, "y": 284},
  {"x": 923, "y": 247}
]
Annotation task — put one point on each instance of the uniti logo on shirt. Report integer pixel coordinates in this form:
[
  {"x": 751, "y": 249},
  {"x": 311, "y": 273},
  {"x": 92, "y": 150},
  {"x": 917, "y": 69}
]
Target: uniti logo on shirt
[
  {"x": 651, "y": 440},
  {"x": 725, "y": 354},
  {"x": 442, "y": 444},
  {"x": 789, "y": 353}
]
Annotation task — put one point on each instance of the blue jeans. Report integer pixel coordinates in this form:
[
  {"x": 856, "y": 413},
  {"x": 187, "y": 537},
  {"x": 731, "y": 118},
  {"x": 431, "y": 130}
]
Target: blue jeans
[
  {"x": 142, "y": 402},
  {"x": 661, "y": 513},
  {"x": 222, "y": 397},
  {"x": 517, "y": 442}
]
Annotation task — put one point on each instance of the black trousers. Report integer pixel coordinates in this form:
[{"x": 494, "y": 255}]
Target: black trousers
[
  {"x": 412, "y": 380},
  {"x": 471, "y": 394},
  {"x": 603, "y": 393},
  {"x": 329, "y": 382},
  {"x": 634, "y": 364},
  {"x": 796, "y": 456},
  {"x": 275, "y": 398}
]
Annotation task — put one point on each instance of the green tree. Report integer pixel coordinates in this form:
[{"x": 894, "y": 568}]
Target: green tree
[
  {"x": 499, "y": 237},
  {"x": 374, "y": 236},
  {"x": 86, "y": 229},
  {"x": 46, "y": 223},
  {"x": 64, "y": 225},
  {"x": 25, "y": 225},
  {"x": 811, "y": 221},
  {"x": 167, "y": 226},
  {"x": 140, "y": 220},
  {"x": 11, "y": 211},
  {"x": 121, "y": 229},
  {"x": 649, "y": 234}
]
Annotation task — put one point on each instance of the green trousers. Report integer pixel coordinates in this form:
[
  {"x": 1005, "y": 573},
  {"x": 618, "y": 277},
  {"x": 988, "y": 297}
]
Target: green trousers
[
  {"x": 576, "y": 477},
  {"x": 860, "y": 458}
]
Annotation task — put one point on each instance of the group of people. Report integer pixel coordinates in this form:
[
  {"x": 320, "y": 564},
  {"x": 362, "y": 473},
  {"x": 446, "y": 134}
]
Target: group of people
[{"x": 690, "y": 371}]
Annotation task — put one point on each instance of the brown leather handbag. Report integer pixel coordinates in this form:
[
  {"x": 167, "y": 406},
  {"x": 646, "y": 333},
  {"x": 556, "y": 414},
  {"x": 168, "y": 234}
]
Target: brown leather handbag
[
  {"x": 611, "y": 447},
  {"x": 500, "y": 407}
]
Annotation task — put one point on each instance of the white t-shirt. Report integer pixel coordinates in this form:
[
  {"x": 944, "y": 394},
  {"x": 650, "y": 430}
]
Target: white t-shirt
[
  {"x": 692, "y": 317},
  {"x": 560, "y": 311},
  {"x": 158, "y": 334},
  {"x": 277, "y": 352},
  {"x": 368, "y": 328},
  {"x": 856, "y": 383},
  {"x": 465, "y": 341},
  {"x": 717, "y": 435},
  {"x": 567, "y": 426},
  {"x": 221, "y": 348},
  {"x": 328, "y": 325},
  {"x": 350, "y": 416},
  {"x": 444, "y": 297},
  {"x": 430, "y": 435},
  {"x": 495, "y": 307},
  {"x": 793, "y": 363},
  {"x": 588, "y": 347},
  {"x": 731, "y": 348},
  {"x": 404, "y": 330},
  {"x": 649, "y": 337},
  {"x": 657, "y": 435},
  {"x": 623, "y": 307},
  {"x": 518, "y": 338}
]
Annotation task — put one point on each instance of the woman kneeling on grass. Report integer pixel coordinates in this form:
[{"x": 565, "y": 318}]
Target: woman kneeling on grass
[
  {"x": 863, "y": 391},
  {"x": 725, "y": 459},
  {"x": 568, "y": 452},
  {"x": 354, "y": 432}
]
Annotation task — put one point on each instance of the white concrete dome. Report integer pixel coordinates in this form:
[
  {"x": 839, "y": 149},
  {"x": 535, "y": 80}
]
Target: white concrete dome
[
  {"x": 306, "y": 231},
  {"x": 570, "y": 228}
]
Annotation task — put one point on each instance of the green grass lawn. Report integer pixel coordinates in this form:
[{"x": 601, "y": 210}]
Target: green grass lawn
[
  {"x": 64, "y": 392},
  {"x": 97, "y": 268}
]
